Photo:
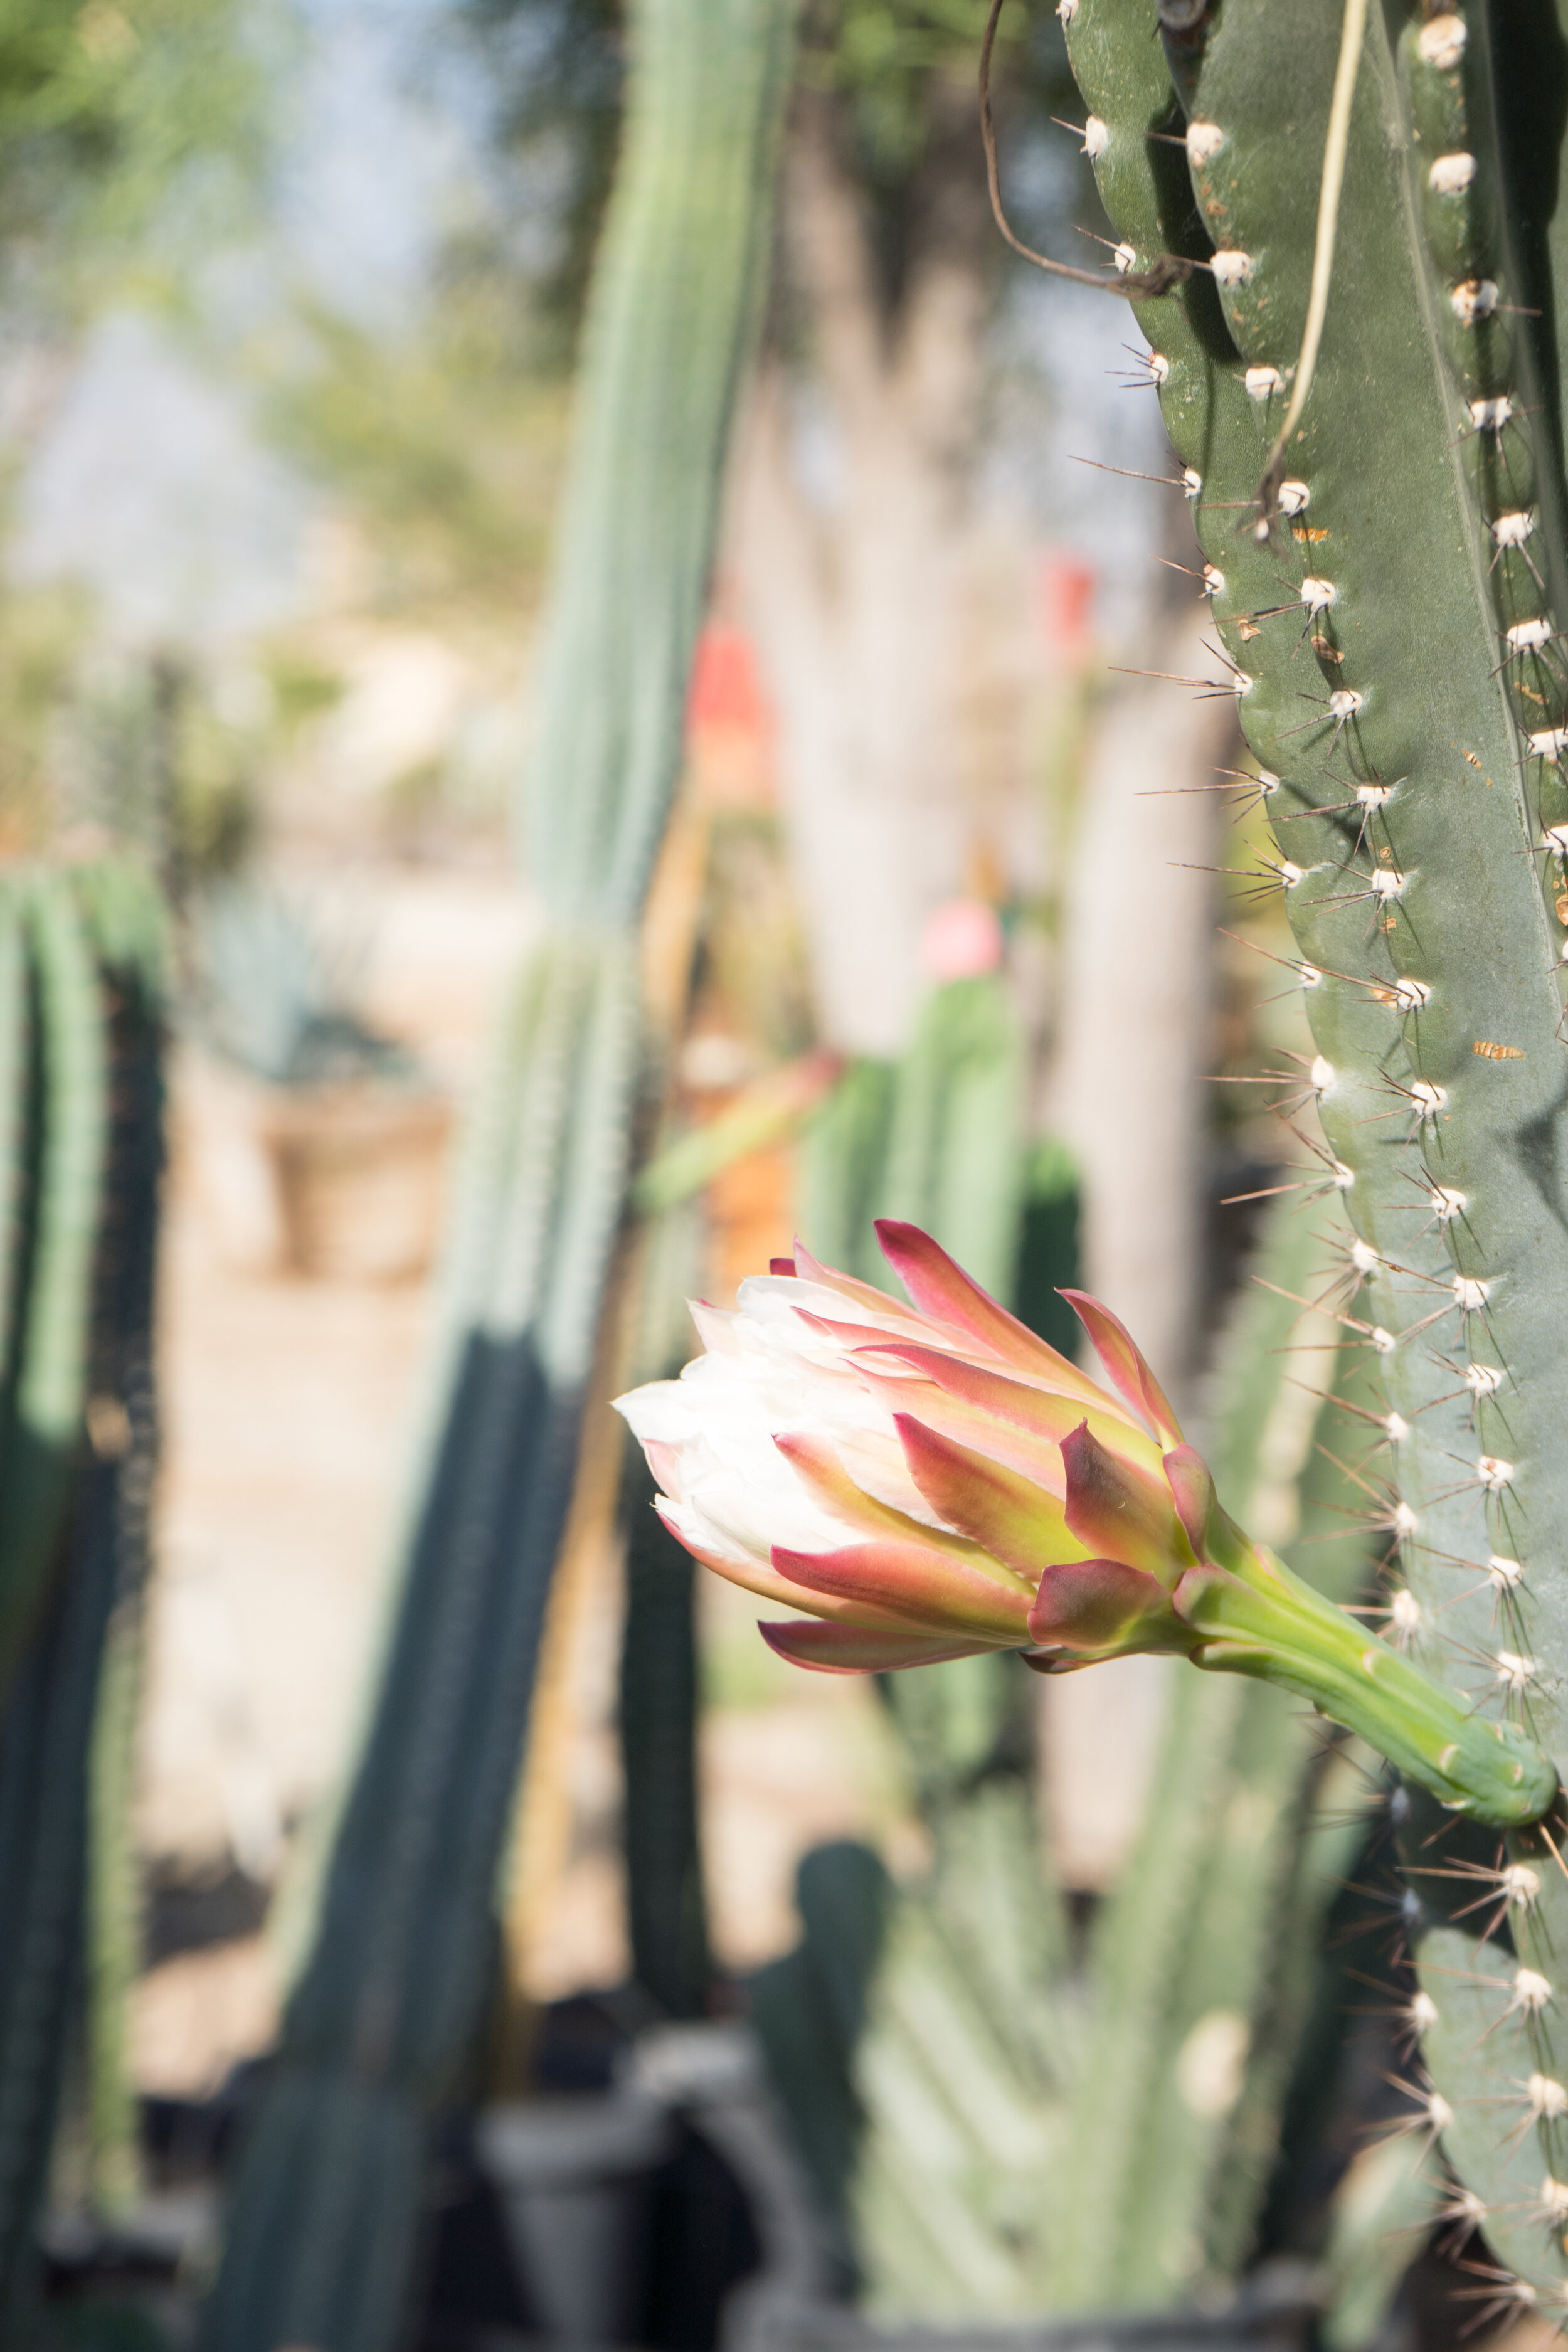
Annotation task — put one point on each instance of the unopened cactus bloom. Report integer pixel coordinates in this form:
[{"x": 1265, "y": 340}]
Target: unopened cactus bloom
[{"x": 931, "y": 1481}]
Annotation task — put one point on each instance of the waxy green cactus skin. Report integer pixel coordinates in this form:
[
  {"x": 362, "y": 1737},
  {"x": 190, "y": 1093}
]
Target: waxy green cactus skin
[
  {"x": 82, "y": 1005},
  {"x": 325, "y": 2228},
  {"x": 1443, "y": 1073}
]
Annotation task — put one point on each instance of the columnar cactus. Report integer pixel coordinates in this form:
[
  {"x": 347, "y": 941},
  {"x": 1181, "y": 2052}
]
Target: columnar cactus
[
  {"x": 325, "y": 2237},
  {"x": 80, "y": 1155},
  {"x": 1388, "y": 590}
]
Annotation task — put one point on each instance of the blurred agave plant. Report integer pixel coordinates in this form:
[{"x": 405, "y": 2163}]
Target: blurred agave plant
[{"x": 935, "y": 1481}]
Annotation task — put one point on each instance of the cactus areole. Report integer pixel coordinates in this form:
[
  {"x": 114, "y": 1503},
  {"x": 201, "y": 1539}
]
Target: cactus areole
[{"x": 932, "y": 1482}]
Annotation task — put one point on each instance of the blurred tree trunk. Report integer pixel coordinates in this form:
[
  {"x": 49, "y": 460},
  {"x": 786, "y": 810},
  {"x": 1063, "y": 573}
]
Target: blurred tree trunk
[
  {"x": 856, "y": 530},
  {"x": 1137, "y": 981},
  {"x": 1136, "y": 1034}
]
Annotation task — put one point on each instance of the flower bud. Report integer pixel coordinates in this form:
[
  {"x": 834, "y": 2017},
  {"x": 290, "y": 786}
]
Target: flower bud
[{"x": 931, "y": 1481}]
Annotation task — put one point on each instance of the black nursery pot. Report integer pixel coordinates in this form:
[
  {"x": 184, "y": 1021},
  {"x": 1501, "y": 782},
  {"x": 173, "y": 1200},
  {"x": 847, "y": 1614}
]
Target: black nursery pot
[
  {"x": 574, "y": 2179},
  {"x": 577, "y": 2180}
]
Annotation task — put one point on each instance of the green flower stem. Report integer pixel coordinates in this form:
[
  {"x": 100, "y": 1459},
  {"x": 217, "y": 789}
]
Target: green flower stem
[{"x": 1267, "y": 1622}]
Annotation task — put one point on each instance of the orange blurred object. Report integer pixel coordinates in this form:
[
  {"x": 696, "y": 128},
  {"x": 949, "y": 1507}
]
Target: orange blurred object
[{"x": 750, "y": 1218}]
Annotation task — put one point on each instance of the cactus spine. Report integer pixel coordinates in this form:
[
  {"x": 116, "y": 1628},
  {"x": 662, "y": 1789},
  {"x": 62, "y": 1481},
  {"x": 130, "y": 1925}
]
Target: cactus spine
[
  {"x": 324, "y": 2231},
  {"x": 1394, "y": 646}
]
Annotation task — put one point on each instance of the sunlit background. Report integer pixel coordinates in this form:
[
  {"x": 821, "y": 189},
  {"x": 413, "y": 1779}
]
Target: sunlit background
[{"x": 286, "y": 387}]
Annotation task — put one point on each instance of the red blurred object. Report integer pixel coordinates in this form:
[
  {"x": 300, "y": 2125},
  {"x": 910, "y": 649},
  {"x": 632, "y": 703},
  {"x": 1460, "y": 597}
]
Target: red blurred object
[
  {"x": 1067, "y": 587},
  {"x": 729, "y": 721},
  {"x": 726, "y": 691}
]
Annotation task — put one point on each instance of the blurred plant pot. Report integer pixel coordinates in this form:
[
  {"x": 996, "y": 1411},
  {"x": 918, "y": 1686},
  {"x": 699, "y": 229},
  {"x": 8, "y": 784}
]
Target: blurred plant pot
[
  {"x": 575, "y": 2178},
  {"x": 1261, "y": 2323},
  {"x": 716, "y": 2076},
  {"x": 339, "y": 1182}
]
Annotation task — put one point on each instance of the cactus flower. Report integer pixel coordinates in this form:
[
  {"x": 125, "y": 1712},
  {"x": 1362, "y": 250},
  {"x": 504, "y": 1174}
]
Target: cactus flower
[{"x": 932, "y": 1481}]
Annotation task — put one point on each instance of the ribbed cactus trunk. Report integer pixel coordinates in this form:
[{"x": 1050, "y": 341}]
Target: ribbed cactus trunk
[
  {"x": 325, "y": 2229},
  {"x": 1393, "y": 638},
  {"x": 81, "y": 1147}
]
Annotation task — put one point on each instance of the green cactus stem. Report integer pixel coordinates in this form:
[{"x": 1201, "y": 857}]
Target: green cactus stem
[
  {"x": 324, "y": 2235},
  {"x": 60, "y": 1845},
  {"x": 1392, "y": 642}
]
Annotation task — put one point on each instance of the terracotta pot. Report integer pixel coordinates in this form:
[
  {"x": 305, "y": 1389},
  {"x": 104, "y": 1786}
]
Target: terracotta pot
[{"x": 340, "y": 1183}]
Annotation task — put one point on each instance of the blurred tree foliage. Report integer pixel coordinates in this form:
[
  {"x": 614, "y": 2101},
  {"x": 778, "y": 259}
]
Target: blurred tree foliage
[
  {"x": 133, "y": 135},
  {"x": 104, "y": 108},
  {"x": 444, "y": 440},
  {"x": 40, "y": 633},
  {"x": 901, "y": 74}
]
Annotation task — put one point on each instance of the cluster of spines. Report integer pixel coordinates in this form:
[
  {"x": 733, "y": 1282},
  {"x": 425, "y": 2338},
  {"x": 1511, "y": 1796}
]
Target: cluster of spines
[{"x": 1462, "y": 217}]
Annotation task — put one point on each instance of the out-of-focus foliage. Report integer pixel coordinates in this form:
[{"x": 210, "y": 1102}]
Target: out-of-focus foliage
[
  {"x": 554, "y": 71},
  {"x": 903, "y": 72},
  {"x": 277, "y": 990},
  {"x": 103, "y": 107},
  {"x": 153, "y": 751},
  {"x": 40, "y": 634},
  {"x": 446, "y": 441},
  {"x": 883, "y": 58}
]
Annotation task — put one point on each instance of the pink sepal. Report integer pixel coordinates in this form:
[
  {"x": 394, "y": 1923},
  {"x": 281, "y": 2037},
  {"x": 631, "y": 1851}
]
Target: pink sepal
[
  {"x": 848, "y": 1285},
  {"x": 1104, "y": 1606},
  {"x": 942, "y": 1289},
  {"x": 1122, "y": 1513},
  {"x": 1050, "y": 1407},
  {"x": 1192, "y": 1490},
  {"x": 928, "y": 1590},
  {"x": 850, "y": 1649},
  {"x": 1123, "y": 1358}
]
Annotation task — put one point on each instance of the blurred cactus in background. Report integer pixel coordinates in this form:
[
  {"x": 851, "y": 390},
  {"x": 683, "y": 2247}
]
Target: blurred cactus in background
[
  {"x": 936, "y": 1139},
  {"x": 1002, "y": 2117},
  {"x": 1366, "y": 406},
  {"x": 82, "y": 997},
  {"x": 383, "y": 2019}
]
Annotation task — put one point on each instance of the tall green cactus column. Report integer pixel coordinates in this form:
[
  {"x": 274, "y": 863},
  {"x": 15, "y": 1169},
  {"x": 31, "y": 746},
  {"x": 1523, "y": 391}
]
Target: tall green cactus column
[
  {"x": 1391, "y": 635},
  {"x": 82, "y": 1123},
  {"x": 325, "y": 2227}
]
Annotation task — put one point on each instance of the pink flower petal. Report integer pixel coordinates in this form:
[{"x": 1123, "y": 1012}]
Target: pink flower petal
[
  {"x": 816, "y": 1465},
  {"x": 663, "y": 1460},
  {"x": 1050, "y": 1412},
  {"x": 847, "y": 1650},
  {"x": 763, "y": 1578},
  {"x": 1122, "y": 1513},
  {"x": 1034, "y": 1456},
  {"x": 1122, "y": 1359},
  {"x": 924, "y": 1587},
  {"x": 782, "y": 1266}
]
